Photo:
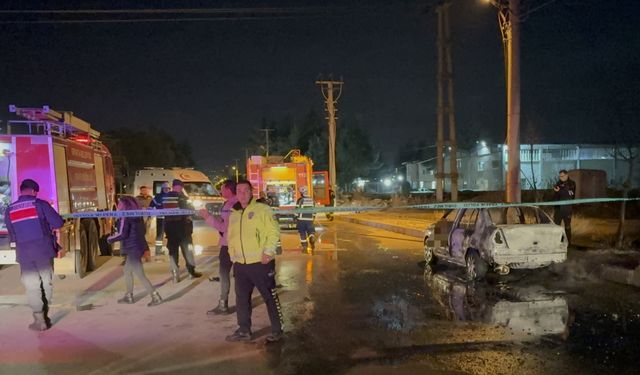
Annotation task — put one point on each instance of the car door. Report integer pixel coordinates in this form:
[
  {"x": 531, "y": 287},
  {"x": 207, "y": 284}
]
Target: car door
[
  {"x": 463, "y": 228},
  {"x": 441, "y": 232}
]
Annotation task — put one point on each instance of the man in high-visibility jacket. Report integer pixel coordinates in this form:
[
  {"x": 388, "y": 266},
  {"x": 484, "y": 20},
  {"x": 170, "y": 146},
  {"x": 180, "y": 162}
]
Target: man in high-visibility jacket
[{"x": 253, "y": 234}]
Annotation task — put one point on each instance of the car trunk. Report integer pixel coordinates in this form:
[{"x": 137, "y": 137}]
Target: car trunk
[{"x": 533, "y": 239}]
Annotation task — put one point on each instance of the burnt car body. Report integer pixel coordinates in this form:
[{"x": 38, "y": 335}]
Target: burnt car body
[{"x": 501, "y": 239}]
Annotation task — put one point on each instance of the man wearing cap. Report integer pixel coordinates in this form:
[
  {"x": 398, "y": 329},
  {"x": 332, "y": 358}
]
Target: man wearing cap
[
  {"x": 178, "y": 230},
  {"x": 30, "y": 222},
  {"x": 304, "y": 222}
]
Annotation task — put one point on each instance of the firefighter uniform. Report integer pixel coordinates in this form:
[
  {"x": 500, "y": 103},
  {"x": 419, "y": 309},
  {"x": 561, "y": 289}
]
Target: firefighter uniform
[
  {"x": 304, "y": 223},
  {"x": 157, "y": 203},
  {"x": 30, "y": 222},
  {"x": 178, "y": 230}
]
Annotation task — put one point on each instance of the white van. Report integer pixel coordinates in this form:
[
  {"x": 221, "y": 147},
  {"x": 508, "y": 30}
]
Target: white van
[{"x": 197, "y": 185}]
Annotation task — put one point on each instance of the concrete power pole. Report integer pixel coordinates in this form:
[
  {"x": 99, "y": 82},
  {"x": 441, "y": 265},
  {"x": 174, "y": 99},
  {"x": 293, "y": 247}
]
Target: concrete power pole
[
  {"x": 445, "y": 77},
  {"x": 328, "y": 88},
  {"x": 266, "y": 134}
]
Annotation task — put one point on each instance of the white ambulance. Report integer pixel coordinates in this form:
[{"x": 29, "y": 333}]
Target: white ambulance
[{"x": 198, "y": 187}]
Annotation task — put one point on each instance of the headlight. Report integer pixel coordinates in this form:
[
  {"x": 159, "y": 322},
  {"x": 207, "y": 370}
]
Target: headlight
[{"x": 197, "y": 204}]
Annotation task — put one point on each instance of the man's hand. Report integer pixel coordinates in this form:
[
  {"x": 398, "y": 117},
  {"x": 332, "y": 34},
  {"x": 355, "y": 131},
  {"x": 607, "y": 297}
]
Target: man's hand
[
  {"x": 556, "y": 188},
  {"x": 266, "y": 258},
  {"x": 203, "y": 213},
  {"x": 62, "y": 253}
]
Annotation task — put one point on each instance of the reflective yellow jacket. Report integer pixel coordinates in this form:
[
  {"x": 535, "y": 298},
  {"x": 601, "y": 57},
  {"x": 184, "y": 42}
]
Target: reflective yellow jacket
[{"x": 252, "y": 232}]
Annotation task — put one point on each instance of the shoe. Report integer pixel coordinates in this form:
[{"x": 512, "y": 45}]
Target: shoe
[
  {"x": 194, "y": 275},
  {"x": 175, "y": 276},
  {"x": 238, "y": 336},
  {"x": 221, "y": 309},
  {"x": 274, "y": 336},
  {"x": 312, "y": 242},
  {"x": 214, "y": 278},
  {"x": 39, "y": 322},
  {"x": 128, "y": 298},
  {"x": 156, "y": 299}
]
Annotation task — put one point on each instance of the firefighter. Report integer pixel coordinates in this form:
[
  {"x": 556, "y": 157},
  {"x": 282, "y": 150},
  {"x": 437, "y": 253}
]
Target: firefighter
[
  {"x": 156, "y": 203},
  {"x": 304, "y": 222},
  {"x": 30, "y": 222},
  {"x": 221, "y": 223},
  {"x": 253, "y": 235},
  {"x": 178, "y": 230}
]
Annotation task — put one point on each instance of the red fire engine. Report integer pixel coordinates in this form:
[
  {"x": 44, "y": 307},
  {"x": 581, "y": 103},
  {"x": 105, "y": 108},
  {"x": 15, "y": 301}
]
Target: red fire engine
[
  {"x": 75, "y": 173},
  {"x": 280, "y": 179}
]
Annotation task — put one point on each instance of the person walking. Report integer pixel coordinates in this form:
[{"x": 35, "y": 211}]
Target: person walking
[
  {"x": 253, "y": 235},
  {"x": 30, "y": 222},
  {"x": 131, "y": 232},
  {"x": 177, "y": 229},
  {"x": 144, "y": 200},
  {"x": 157, "y": 203},
  {"x": 304, "y": 222},
  {"x": 221, "y": 223},
  {"x": 565, "y": 189}
]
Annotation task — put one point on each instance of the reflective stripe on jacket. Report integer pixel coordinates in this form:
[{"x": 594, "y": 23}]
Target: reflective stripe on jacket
[{"x": 252, "y": 231}]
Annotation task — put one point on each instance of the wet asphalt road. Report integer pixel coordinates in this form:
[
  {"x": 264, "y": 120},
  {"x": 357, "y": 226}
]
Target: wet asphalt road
[
  {"x": 363, "y": 304},
  {"x": 376, "y": 310}
]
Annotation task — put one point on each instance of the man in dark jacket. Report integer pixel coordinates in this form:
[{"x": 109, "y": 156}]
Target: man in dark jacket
[
  {"x": 30, "y": 222},
  {"x": 178, "y": 230},
  {"x": 565, "y": 189}
]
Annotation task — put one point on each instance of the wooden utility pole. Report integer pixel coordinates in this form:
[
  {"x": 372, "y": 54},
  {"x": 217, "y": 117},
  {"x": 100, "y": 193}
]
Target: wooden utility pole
[
  {"x": 266, "y": 134},
  {"x": 510, "y": 26},
  {"x": 445, "y": 77},
  {"x": 331, "y": 91}
]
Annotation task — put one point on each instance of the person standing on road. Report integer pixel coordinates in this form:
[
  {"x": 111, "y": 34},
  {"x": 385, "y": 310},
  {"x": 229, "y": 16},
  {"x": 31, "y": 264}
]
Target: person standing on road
[
  {"x": 221, "y": 223},
  {"x": 157, "y": 203},
  {"x": 178, "y": 230},
  {"x": 30, "y": 222},
  {"x": 144, "y": 201},
  {"x": 304, "y": 223},
  {"x": 253, "y": 235},
  {"x": 565, "y": 189},
  {"x": 131, "y": 232}
]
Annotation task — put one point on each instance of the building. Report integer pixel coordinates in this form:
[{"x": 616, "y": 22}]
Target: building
[{"x": 484, "y": 167}]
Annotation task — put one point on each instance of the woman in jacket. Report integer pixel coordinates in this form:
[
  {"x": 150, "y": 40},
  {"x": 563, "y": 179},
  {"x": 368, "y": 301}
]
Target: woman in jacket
[{"x": 131, "y": 232}]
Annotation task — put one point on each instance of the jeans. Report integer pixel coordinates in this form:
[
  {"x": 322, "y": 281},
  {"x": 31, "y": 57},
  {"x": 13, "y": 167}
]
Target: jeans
[
  {"x": 133, "y": 265},
  {"x": 36, "y": 276},
  {"x": 225, "y": 272}
]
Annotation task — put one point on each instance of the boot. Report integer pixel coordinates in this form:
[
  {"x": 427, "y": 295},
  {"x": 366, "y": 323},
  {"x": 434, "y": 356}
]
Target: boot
[
  {"x": 128, "y": 298},
  {"x": 194, "y": 274},
  {"x": 155, "y": 299},
  {"x": 175, "y": 276},
  {"x": 222, "y": 309},
  {"x": 312, "y": 242},
  {"x": 39, "y": 322}
]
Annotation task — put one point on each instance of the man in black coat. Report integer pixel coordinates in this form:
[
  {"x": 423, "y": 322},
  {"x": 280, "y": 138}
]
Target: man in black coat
[{"x": 565, "y": 189}]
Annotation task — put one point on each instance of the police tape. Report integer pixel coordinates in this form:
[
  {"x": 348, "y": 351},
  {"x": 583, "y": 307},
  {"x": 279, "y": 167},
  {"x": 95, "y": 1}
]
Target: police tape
[{"x": 317, "y": 210}]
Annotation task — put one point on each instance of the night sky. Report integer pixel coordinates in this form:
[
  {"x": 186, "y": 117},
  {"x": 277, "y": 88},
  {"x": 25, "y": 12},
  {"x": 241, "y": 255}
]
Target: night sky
[{"x": 212, "y": 82}]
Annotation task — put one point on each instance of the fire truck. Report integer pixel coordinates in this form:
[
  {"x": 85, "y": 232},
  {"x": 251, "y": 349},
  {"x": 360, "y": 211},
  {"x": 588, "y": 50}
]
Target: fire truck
[
  {"x": 75, "y": 173},
  {"x": 280, "y": 179}
]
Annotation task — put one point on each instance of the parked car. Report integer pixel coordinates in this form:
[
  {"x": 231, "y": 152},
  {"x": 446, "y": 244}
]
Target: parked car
[{"x": 495, "y": 238}]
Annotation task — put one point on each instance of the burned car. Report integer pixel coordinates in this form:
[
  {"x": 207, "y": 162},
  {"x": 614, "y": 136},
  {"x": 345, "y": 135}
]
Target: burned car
[{"x": 495, "y": 238}]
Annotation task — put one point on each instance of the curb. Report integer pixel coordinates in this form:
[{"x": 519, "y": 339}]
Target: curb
[
  {"x": 391, "y": 228},
  {"x": 621, "y": 275}
]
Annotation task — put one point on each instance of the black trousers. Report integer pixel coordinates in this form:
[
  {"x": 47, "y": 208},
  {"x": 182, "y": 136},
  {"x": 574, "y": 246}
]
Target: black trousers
[
  {"x": 225, "y": 272},
  {"x": 563, "y": 214},
  {"x": 177, "y": 242},
  {"x": 262, "y": 277}
]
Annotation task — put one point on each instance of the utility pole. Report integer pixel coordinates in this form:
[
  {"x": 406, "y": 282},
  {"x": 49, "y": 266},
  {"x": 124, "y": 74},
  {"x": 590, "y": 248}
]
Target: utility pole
[
  {"x": 266, "y": 134},
  {"x": 445, "y": 77},
  {"x": 331, "y": 91},
  {"x": 509, "y": 20}
]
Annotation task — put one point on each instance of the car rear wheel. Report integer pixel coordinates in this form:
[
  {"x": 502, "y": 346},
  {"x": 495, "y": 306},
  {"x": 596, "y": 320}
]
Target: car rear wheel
[
  {"x": 429, "y": 256},
  {"x": 476, "y": 266}
]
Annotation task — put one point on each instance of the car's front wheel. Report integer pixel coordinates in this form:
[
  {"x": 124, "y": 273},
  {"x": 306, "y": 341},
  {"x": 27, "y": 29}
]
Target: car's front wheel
[
  {"x": 429, "y": 256},
  {"x": 476, "y": 266}
]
